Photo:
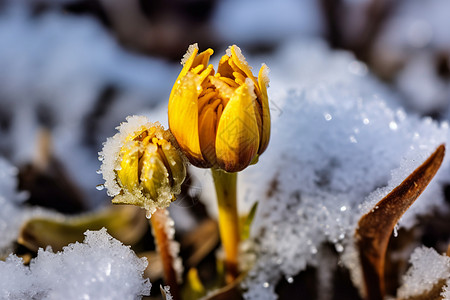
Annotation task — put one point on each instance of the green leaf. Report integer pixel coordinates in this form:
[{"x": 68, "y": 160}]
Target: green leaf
[
  {"x": 246, "y": 224},
  {"x": 125, "y": 223}
]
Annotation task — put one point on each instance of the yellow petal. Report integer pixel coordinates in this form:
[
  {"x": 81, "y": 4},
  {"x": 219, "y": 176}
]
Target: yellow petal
[
  {"x": 187, "y": 62},
  {"x": 240, "y": 61},
  {"x": 154, "y": 173},
  {"x": 183, "y": 118},
  {"x": 128, "y": 174},
  {"x": 263, "y": 82},
  {"x": 174, "y": 163},
  {"x": 237, "y": 139},
  {"x": 207, "y": 131},
  {"x": 203, "y": 58}
]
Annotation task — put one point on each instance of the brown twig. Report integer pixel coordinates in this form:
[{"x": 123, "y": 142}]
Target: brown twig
[
  {"x": 159, "y": 222},
  {"x": 375, "y": 228}
]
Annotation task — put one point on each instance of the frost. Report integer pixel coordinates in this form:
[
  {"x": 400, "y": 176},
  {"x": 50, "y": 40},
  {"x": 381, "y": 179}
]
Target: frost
[
  {"x": 427, "y": 269},
  {"x": 99, "y": 268},
  {"x": 189, "y": 53},
  {"x": 166, "y": 292},
  {"x": 174, "y": 246},
  {"x": 109, "y": 156}
]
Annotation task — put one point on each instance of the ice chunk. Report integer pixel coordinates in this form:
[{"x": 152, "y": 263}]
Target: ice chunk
[
  {"x": 99, "y": 268},
  {"x": 428, "y": 269}
]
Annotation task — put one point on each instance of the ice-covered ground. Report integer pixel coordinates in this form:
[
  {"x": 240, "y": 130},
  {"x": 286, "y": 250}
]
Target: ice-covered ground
[{"x": 340, "y": 141}]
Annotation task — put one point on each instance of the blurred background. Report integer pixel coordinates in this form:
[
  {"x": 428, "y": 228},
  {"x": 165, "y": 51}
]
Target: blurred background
[{"x": 72, "y": 70}]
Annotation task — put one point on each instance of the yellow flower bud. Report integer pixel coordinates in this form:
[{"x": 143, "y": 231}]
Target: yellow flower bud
[
  {"x": 141, "y": 166},
  {"x": 220, "y": 119}
]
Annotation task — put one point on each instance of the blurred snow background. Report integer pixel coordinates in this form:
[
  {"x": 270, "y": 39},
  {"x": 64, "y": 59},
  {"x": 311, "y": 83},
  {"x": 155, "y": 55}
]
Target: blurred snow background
[{"x": 359, "y": 97}]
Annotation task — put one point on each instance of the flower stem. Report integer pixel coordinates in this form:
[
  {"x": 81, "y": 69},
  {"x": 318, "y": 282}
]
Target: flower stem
[
  {"x": 161, "y": 227},
  {"x": 225, "y": 184}
]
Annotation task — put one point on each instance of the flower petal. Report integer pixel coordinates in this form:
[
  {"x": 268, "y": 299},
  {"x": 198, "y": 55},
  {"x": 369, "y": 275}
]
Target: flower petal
[
  {"x": 237, "y": 139},
  {"x": 128, "y": 172},
  {"x": 154, "y": 174},
  {"x": 263, "y": 82},
  {"x": 187, "y": 62},
  {"x": 174, "y": 164},
  {"x": 183, "y": 117},
  {"x": 207, "y": 130},
  {"x": 239, "y": 59}
]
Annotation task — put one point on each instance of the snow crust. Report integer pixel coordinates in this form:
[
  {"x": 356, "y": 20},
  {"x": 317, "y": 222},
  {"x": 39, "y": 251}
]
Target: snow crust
[
  {"x": 427, "y": 269},
  {"x": 99, "y": 268}
]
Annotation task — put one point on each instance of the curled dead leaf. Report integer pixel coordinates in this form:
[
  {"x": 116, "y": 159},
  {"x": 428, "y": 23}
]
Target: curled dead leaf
[{"x": 375, "y": 228}]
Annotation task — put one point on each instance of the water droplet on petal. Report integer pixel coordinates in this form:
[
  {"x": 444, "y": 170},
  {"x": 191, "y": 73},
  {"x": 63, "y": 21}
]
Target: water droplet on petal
[
  {"x": 290, "y": 279},
  {"x": 266, "y": 284},
  {"x": 100, "y": 158},
  {"x": 339, "y": 248},
  {"x": 99, "y": 171}
]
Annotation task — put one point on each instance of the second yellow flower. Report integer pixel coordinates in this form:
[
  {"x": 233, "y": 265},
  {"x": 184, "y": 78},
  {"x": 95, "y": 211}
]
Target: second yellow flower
[{"x": 220, "y": 119}]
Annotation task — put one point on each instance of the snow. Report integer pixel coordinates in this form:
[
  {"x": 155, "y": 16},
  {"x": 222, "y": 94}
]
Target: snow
[
  {"x": 99, "y": 268},
  {"x": 427, "y": 269}
]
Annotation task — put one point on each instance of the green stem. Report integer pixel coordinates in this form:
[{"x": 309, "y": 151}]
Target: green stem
[{"x": 225, "y": 184}]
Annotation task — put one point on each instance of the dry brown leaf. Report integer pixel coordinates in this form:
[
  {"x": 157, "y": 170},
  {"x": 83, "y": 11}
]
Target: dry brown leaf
[
  {"x": 201, "y": 241},
  {"x": 375, "y": 228},
  {"x": 230, "y": 291}
]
